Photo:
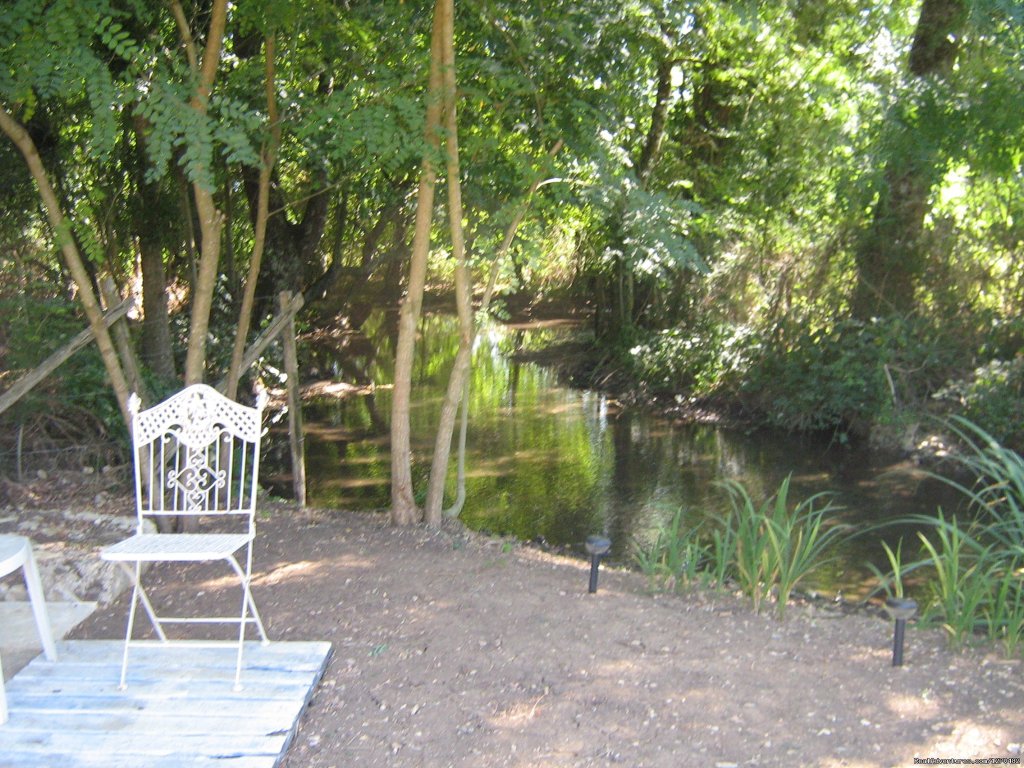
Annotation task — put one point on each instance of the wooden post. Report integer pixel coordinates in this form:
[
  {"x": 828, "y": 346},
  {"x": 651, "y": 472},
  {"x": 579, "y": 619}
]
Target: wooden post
[{"x": 291, "y": 369}]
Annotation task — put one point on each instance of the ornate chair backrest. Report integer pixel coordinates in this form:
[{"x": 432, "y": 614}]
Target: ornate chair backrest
[{"x": 196, "y": 453}]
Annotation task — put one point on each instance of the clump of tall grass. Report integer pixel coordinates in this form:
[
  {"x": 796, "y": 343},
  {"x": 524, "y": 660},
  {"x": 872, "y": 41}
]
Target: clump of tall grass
[
  {"x": 976, "y": 561},
  {"x": 779, "y": 544},
  {"x": 676, "y": 558},
  {"x": 766, "y": 550}
]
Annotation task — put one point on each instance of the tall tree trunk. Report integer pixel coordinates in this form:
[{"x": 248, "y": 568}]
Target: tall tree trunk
[
  {"x": 659, "y": 116},
  {"x": 889, "y": 256},
  {"x": 211, "y": 220},
  {"x": 262, "y": 208},
  {"x": 157, "y": 349},
  {"x": 403, "y": 505},
  {"x": 463, "y": 291},
  {"x": 62, "y": 232}
]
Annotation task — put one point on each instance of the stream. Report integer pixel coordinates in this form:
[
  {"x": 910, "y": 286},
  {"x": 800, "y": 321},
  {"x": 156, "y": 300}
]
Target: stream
[{"x": 553, "y": 464}]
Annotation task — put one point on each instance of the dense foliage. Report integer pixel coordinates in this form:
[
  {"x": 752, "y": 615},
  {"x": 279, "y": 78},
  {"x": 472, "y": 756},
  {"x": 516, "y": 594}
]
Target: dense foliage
[{"x": 811, "y": 210}]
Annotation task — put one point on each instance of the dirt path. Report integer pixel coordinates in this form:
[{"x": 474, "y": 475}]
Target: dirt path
[{"x": 451, "y": 649}]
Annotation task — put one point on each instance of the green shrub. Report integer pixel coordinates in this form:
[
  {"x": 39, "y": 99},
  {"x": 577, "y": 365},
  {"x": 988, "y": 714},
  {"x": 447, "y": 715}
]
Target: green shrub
[
  {"x": 848, "y": 376},
  {"x": 695, "y": 361},
  {"x": 992, "y": 397}
]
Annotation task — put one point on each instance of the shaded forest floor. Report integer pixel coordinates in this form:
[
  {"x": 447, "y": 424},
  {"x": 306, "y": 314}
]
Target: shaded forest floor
[{"x": 454, "y": 649}]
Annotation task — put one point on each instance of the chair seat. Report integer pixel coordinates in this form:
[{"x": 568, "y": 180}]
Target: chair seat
[{"x": 176, "y": 546}]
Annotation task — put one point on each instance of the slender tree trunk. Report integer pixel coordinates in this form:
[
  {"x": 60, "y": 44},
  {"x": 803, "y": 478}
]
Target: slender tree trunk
[
  {"x": 403, "y": 505},
  {"x": 458, "y": 384},
  {"x": 463, "y": 291},
  {"x": 62, "y": 232},
  {"x": 890, "y": 257},
  {"x": 659, "y": 116},
  {"x": 262, "y": 208},
  {"x": 211, "y": 220}
]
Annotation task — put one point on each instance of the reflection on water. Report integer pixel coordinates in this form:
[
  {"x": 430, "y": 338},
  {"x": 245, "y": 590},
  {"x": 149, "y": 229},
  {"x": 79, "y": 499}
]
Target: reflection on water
[{"x": 553, "y": 463}]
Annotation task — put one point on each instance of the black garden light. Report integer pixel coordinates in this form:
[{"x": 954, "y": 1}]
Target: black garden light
[
  {"x": 901, "y": 609},
  {"x": 597, "y": 547}
]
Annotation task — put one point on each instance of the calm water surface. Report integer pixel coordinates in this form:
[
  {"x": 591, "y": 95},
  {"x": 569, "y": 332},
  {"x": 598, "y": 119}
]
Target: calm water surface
[{"x": 552, "y": 463}]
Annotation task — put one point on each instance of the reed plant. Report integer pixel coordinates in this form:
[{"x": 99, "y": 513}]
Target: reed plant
[
  {"x": 974, "y": 561},
  {"x": 1004, "y": 616},
  {"x": 676, "y": 558},
  {"x": 996, "y": 495},
  {"x": 960, "y": 590},
  {"x": 779, "y": 544},
  {"x": 893, "y": 582},
  {"x": 766, "y": 550},
  {"x": 752, "y": 567},
  {"x": 996, "y": 506}
]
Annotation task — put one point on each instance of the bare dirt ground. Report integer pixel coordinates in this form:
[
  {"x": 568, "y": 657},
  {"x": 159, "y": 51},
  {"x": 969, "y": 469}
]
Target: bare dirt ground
[{"x": 453, "y": 649}]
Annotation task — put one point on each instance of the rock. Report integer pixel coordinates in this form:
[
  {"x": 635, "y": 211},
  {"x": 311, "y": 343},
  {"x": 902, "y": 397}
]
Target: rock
[{"x": 66, "y": 544}]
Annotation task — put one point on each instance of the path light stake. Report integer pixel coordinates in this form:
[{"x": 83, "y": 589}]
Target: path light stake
[
  {"x": 596, "y": 547},
  {"x": 901, "y": 609}
]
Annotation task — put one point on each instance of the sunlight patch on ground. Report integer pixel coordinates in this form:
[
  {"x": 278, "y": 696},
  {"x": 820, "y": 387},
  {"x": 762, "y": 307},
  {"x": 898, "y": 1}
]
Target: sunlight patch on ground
[
  {"x": 967, "y": 739},
  {"x": 356, "y": 482},
  {"x": 286, "y": 572},
  {"x": 913, "y": 707},
  {"x": 518, "y": 714}
]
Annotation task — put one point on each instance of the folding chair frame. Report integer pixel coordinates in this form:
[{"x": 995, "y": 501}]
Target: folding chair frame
[{"x": 196, "y": 455}]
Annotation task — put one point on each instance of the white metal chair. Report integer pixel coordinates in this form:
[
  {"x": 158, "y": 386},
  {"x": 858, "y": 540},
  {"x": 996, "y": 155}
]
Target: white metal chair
[
  {"x": 197, "y": 457},
  {"x": 15, "y": 553}
]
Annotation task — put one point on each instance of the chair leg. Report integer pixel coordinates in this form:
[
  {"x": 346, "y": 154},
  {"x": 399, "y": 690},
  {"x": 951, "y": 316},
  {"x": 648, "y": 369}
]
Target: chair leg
[
  {"x": 264, "y": 640},
  {"x": 123, "y": 685},
  {"x": 248, "y": 606},
  {"x": 249, "y": 602},
  {"x": 241, "y": 645},
  {"x": 3, "y": 697},
  {"x": 136, "y": 578},
  {"x": 138, "y": 594},
  {"x": 37, "y": 598}
]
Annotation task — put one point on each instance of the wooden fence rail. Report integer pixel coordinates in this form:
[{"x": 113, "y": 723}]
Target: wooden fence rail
[
  {"x": 284, "y": 322},
  {"x": 26, "y": 383}
]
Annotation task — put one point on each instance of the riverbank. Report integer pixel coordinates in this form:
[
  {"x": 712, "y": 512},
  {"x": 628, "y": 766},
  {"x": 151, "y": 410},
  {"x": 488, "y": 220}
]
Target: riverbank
[{"x": 456, "y": 649}]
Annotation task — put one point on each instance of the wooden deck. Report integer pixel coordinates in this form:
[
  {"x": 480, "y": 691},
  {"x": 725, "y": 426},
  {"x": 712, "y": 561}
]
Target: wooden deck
[{"x": 179, "y": 709}]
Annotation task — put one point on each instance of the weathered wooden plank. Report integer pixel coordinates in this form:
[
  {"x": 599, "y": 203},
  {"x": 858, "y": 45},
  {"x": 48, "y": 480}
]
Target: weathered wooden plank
[
  {"x": 141, "y": 721},
  {"x": 113, "y": 705},
  {"x": 154, "y": 686},
  {"x": 102, "y": 651},
  {"x": 71, "y": 714},
  {"x": 264, "y": 667},
  {"x": 131, "y": 743},
  {"x": 36, "y": 759},
  {"x": 141, "y": 671}
]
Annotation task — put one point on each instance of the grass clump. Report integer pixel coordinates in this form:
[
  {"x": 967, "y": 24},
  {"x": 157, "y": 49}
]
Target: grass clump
[
  {"x": 974, "y": 563},
  {"x": 765, "y": 550},
  {"x": 676, "y": 558}
]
